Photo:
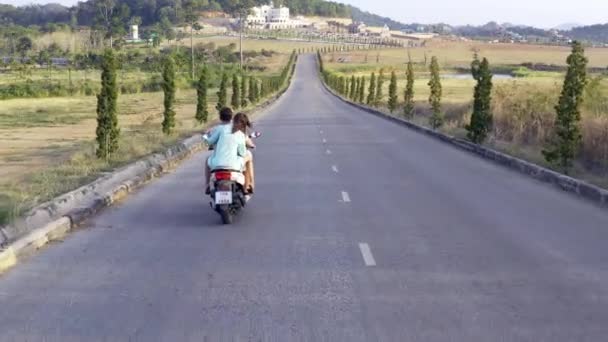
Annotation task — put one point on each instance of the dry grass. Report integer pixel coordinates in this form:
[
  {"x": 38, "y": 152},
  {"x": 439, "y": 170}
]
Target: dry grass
[
  {"x": 460, "y": 54},
  {"x": 72, "y": 41},
  {"x": 42, "y": 158}
]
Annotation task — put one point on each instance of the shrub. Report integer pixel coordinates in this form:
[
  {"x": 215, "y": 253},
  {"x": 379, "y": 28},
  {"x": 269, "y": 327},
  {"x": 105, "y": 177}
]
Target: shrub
[{"x": 523, "y": 113}]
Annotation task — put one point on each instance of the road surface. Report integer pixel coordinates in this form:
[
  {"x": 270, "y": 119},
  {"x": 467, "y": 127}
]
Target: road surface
[{"x": 361, "y": 230}]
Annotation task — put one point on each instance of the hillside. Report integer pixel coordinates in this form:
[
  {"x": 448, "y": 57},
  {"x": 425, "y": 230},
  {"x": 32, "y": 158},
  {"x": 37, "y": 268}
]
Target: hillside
[
  {"x": 376, "y": 20},
  {"x": 593, "y": 33},
  {"x": 149, "y": 12}
]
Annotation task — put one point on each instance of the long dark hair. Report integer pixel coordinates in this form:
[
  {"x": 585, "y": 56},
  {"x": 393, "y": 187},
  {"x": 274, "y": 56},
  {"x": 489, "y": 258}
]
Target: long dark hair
[{"x": 240, "y": 122}]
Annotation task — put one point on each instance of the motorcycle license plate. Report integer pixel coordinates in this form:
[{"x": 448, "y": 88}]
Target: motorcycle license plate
[{"x": 223, "y": 197}]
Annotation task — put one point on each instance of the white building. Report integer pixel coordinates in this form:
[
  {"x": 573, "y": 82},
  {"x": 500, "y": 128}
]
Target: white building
[
  {"x": 133, "y": 36},
  {"x": 271, "y": 17},
  {"x": 134, "y": 32}
]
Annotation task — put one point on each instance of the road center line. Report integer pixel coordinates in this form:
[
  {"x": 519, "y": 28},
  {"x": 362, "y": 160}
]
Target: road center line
[
  {"x": 345, "y": 197},
  {"x": 366, "y": 252},
  {"x": 328, "y": 152},
  {"x": 334, "y": 168},
  {"x": 325, "y": 141}
]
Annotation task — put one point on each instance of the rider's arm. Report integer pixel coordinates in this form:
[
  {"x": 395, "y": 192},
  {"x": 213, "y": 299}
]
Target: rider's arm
[
  {"x": 213, "y": 137},
  {"x": 249, "y": 142}
]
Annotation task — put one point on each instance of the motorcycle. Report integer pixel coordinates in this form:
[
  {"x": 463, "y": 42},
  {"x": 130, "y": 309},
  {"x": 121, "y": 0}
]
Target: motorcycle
[{"x": 227, "y": 190}]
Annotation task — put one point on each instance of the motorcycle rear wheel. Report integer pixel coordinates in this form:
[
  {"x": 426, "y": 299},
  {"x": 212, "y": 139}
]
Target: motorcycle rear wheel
[{"x": 227, "y": 217}]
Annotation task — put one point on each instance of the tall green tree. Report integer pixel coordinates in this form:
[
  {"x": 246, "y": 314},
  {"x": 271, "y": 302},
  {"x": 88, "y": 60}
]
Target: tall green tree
[
  {"x": 379, "y": 88},
  {"x": 372, "y": 90},
  {"x": 566, "y": 142},
  {"x": 243, "y": 91},
  {"x": 169, "y": 90},
  {"x": 353, "y": 87},
  {"x": 393, "y": 98},
  {"x": 191, "y": 8},
  {"x": 112, "y": 17},
  {"x": 408, "y": 108},
  {"x": 240, "y": 9},
  {"x": 24, "y": 45},
  {"x": 236, "y": 92},
  {"x": 222, "y": 93},
  {"x": 436, "y": 119},
  {"x": 481, "y": 119},
  {"x": 202, "y": 113},
  {"x": 257, "y": 90},
  {"x": 252, "y": 90},
  {"x": 362, "y": 90},
  {"x": 107, "y": 120}
]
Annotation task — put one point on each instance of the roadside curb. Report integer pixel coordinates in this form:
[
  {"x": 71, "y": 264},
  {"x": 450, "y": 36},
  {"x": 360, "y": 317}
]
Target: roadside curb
[
  {"x": 52, "y": 220},
  {"x": 568, "y": 184}
]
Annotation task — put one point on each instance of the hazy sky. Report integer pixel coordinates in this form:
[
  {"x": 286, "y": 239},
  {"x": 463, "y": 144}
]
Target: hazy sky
[{"x": 541, "y": 13}]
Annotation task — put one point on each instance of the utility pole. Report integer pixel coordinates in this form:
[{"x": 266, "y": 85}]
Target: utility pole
[{"x": 241, "y": 39}]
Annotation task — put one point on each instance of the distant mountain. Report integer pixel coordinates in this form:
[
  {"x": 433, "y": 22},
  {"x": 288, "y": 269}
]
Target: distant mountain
[
  {"x": 371, "y": 19},
  {"x": 594, "y": 33},
  {"x": 566, "y": 26}
]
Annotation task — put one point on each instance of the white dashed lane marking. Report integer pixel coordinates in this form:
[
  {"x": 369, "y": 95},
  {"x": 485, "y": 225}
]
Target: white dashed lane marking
[
  {"x": 366, "y": 252},
  {"x": 345, "y": 197},
  {"x": 334, "y": 168}
]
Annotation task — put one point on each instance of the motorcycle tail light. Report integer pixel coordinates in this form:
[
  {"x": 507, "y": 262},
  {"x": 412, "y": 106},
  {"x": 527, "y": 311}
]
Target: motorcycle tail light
[{"x": 223, "y": 176}]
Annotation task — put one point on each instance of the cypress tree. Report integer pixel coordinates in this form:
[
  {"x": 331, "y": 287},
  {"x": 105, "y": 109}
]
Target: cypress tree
[
  {"x": 408, "y": 109},
  {"x": 236, "y": 92},
  {"x": 566, "y": 142},
  {"x": 380, "y": 84},
  {"x": 244, "y": 91},
  {"x": 481, "y": 119},
  {"x": 263, "y": 89},
  {"x": 362, "y": 90},
  {"x": 372, "y": 90},
  {"x": 202, "y": 113},
  {"x": 258, "y": 91},
  {"x": 436, "y": 119},
  {"x": 169, "y": 90},
  {"x": 222, "y": 94},
  {"x": 107, "y": 120},
  {"x": 353, "y": 85},
  {"x": 392, "y": 93},
  {"x": 251, "y": 90}
]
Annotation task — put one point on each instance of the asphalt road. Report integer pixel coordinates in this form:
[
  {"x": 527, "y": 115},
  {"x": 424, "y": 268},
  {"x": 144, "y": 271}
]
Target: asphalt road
[{"x": 361, "y": 230}]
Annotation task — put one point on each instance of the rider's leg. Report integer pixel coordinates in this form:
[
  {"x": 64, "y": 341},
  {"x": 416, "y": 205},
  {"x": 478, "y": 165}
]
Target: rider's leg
[
  {"x": 249, "y": 181},
  {"x": 207, "y": 174},
  {"x": 251, "y": 171}
]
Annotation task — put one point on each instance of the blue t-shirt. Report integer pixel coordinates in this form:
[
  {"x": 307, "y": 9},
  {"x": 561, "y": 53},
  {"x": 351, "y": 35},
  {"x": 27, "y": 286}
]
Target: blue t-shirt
[
  {"x": 219, "y": 130},
  {"x": 229, "y": 152}
]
